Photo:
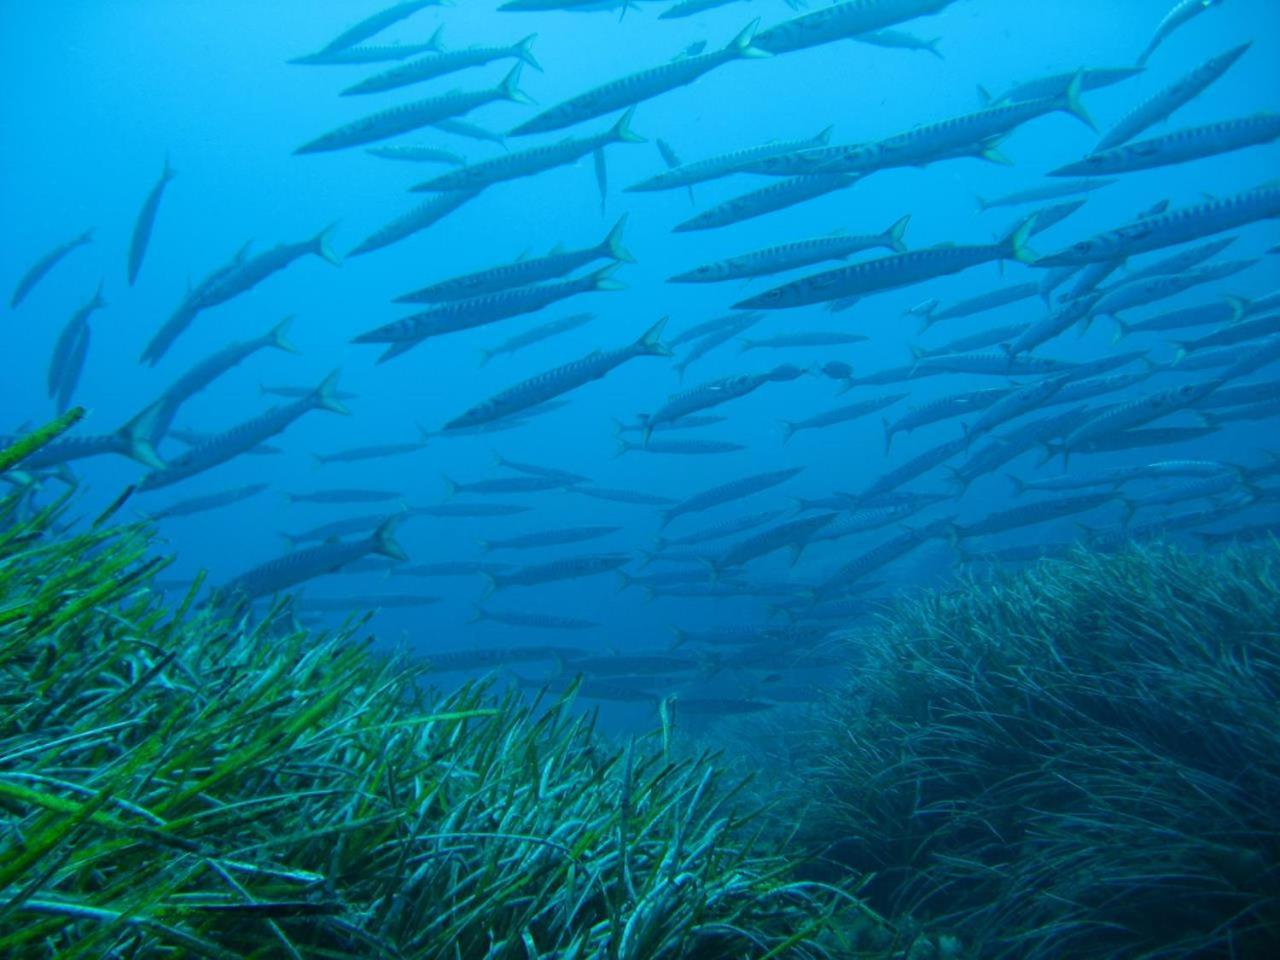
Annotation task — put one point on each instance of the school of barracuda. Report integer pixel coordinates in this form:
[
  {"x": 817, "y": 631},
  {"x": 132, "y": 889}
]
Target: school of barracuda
[{"x": 1175, "y": 376}]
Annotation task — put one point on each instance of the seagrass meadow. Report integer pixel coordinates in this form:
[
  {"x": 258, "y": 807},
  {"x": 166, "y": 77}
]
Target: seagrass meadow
[
  {"x": 1081, "y": 759},
  {"x": 188, "y": 783}
]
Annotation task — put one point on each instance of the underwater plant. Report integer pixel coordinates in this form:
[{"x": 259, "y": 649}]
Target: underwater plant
[
  {"x": 1078, "y": 759},
  {"x": 181, "y": 783}
]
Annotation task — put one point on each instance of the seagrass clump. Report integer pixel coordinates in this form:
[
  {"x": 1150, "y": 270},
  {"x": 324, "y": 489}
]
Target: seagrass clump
[
  {"x": 1079, "y": 759},
  {"x": 174, "y": 783}
]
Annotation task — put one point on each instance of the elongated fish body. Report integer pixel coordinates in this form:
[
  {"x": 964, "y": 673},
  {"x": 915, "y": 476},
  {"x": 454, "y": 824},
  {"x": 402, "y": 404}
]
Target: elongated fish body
[
  {"x": 705, "y": 328},
  {"x": 133, "y": 440},
  {"x": 566, "y": 568},
  {"x": 728, "y": 492},
  {"x": 224, "y": 446},
  {"x": 969, "y": 135},
  {"x": 63, "y": 363},
  {"x": 505, "y": 485},
  {"x": 417, "y": 153},
  {"x": 293, "y": 393},
  {"x": 212, "y": 367},
  {"x": 792, "y": 535},
  {"x": 416, "y": 220},
  {"x": 1190, "y": 143},
  {"x": 995, "y": 363},
  {"x": 901, "y": 40},
  {"x": 562, "y": 379},
  {"x": 789, "y": 256},
  {"x": 1260, "y": 354},
  {"x": 538, "y": 621},
  {"x": 975, "y": 341},
  {"x": 36, "y": 272},
  {"x": 472, "y": 510},
  {"x": 1050, "y": 191},
  {"x": 377, "y": 22},
  {"x": 682, "y": 447},
  {"x": 1140, "y": 293},
  {"x": 906, "y": 472},
  {"x": 373, "y": 452},
  {"x": 1016, "y": 403},
  {"x": 1091, "y": 387},
  {"x": 538, "y": 470},
  {"x": 1029, "y": 514},
  {"x": 548, "y": 538},
  {"x": 1121, "y": 475},
  {"x": 719, "y": 531},
  {"x": 1134, "y": 413},
  {"x": 716, "y": 339},
  {"x": 843, "y": 20},
  {"x": 193, "y": 438},
  {"x": 212, "y": 501},
  {"x": 415, "y": 115},
  {"x": 776, "y": 196},
  {"x": 1000, "y": 450},
  {"x": 543, "y": 331},
  {"x": 1176, "y": 226},
  {"x": 478, "y": 311},
  {"x": 1243, "y": 393},
  {"x": 848, "y": 576},
  {"x": 386, "y": 601},
  {"x": 636, "y": 87},
  {"x": 724, "y": 164},
  {"x": 444, "y": 62},
  {"x": 299, "y": 566},
  {"x": 941, "y": 409},
  {"x": 1182, "y": 12},
  {"x": 888, "y": 273},
  {"x": 522, "y": 272},
  {"x": 852, "y": 411},
  {"x": 253, "y": 270},
  {"x": 716, "y": 392},
  {"x": 142, "y": 227},
  {"x": 866, "y": 519},
  {"x": 366, "y": 53},
  {"x": 1177, "y": 263},
  {"x": 816, "y": 338},
  {"x": 1162, "y": 104},
  {"x": 337, "y": 528},
  {"x": 74, "y": 368},
  {"x": 524, "y": 163},
  {"x": 348, "y": 495},
  {"x": 981, "y": 303},
  {"x": 1073, "y": 313}
]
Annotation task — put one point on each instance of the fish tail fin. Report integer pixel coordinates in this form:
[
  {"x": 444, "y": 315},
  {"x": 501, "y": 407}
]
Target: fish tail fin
[
  {"x": 385, "y": 544},
  {"x": 99, "y": 301},
  {"x": 888, "y": 433},
  {"x": 1239, "y": 307},
  {"x": 624, "y": 446},
  {"x": 486, "y": 355},
  {"x": 611, "y": 246},
  {"x": 450, "y": 487},
  {"x": 136, "y": 437},
  {"x": 325, "y": 396},
  {"x": 478, "y": 613},
  {"x": 741, "y": 44},
  {"x": 788, "y": 429},
  {"x": 168, "y": 173},
  {"x": 510, "y": 86},
  {"x": 1122, "y": 329},
  {"x": 1180, "y": 350},
  {"x": 279, "y": 336},
  {"x": 624, "y": 580},
  {"x": 892, "y": 238},
  {"x": 1072, "y": 103},
  {"x": 980, "y": 200},
  {"x": 824, "y": 135},
  {"x": 1019, "y": 485},
  {"x": 713, "y": 569},
  {"x": 1016, "y": 242},
  {"x": 956, "y": 477},
  {"x": 984, "y": 96},
  {"x": 650, "y": 342},
  {"x": 490, "y": 585},
  {"x": 932, "y": 47},
  {"x": 602, "y": 279},
  {"x": 289, "y": 542},
  {"x": 745, "y": 344},
  {"x": 622, "y": 132},
  {"x": 524, "y": 51},
  {"x": 320, "y": 246},
  {"x": 485, "y": 546}
]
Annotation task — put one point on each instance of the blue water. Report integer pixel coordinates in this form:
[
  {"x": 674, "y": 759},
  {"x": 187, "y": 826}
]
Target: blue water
[{"x": 97, "y": 95}]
